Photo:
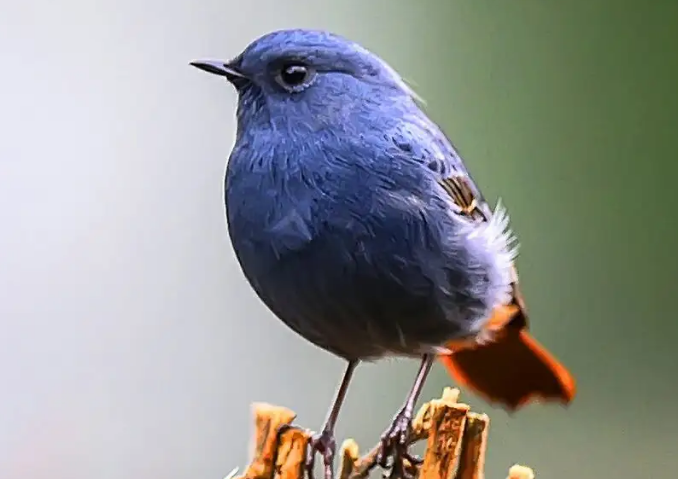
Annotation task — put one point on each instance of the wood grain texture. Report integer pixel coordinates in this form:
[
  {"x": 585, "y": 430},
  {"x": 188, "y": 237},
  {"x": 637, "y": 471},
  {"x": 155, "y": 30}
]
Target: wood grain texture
[{"x": 456, "y": 445}]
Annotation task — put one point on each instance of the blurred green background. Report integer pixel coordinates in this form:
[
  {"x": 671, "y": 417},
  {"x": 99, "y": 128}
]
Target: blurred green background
[{"x": 132, "y": 346}]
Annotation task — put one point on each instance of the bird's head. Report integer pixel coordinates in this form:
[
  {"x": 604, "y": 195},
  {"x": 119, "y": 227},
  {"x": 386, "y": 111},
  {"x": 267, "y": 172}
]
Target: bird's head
[{"x": 313, "y": 76}]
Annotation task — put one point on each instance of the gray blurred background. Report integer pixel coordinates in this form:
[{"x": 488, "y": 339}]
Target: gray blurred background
[{"x": 131, "y": 345}]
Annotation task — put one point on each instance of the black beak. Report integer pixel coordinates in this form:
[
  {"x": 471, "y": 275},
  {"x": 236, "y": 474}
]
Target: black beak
[{"x": 218, "y": 67}]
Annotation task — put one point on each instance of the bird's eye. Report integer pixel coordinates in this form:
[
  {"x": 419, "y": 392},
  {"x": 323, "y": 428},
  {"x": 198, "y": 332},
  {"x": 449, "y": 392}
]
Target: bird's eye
[{"x": 294, "y": 76}]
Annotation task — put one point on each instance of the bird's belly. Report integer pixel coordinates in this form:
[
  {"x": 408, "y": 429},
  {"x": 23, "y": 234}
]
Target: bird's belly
[{"x": 355, "y": 303}]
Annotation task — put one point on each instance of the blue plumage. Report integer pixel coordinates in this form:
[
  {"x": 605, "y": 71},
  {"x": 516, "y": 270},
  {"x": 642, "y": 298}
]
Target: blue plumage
[
  {"x": 339, "y": 215},
  {"x": 336, "y": 211}
]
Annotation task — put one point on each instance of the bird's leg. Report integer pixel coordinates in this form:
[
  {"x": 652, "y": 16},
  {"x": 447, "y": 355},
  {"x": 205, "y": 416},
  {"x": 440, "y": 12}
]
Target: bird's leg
[
  {"x": 394, "y": 441},
  {"x": 324, "y": 442}
]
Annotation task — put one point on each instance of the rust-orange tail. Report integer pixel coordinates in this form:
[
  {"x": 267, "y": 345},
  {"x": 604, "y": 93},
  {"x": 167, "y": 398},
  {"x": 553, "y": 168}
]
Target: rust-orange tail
[{"x": 512, "y": 370}]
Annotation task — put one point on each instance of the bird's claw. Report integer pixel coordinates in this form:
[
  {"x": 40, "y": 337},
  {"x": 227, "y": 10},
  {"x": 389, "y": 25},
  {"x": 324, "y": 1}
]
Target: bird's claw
[
  {"x": 394, "y": 444},
  {"x": 323, "y": 443}
]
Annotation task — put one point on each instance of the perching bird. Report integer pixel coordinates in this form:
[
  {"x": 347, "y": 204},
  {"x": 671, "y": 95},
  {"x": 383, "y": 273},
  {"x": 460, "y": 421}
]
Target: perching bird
[{"x": 357, "y": 223}]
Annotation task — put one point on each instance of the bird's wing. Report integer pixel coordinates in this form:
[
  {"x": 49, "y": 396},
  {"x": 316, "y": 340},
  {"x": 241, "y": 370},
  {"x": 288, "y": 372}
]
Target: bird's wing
[
  {"x": 426, "y": 144},
  {"x": 462, "y": 190},
  {"x": 511, "y": 368}
]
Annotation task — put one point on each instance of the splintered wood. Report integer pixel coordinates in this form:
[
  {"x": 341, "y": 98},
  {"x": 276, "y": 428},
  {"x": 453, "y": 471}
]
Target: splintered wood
[{"x": 456, "y": 443}]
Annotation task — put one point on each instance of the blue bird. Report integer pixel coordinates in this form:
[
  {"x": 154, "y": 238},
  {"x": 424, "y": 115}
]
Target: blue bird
[{"x": 356, "y": 222}]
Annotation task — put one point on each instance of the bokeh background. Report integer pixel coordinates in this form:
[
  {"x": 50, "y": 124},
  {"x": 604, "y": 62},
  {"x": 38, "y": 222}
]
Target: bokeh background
[{"x": 131, "y": 345}]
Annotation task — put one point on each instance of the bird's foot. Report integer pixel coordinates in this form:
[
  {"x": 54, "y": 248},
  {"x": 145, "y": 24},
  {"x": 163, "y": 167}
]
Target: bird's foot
[
  {"x": 395, "y": 443},
  {"x": 325, "y": 444},
  {"x": 322, "y": 443}
]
